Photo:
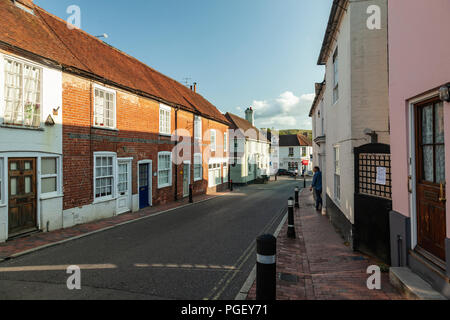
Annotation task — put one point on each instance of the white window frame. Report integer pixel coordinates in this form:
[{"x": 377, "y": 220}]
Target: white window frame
[
  {"x": 225, "y": 142},
  {"x": 169, "y": 184},
  {"x": 2, "y": 181},
  {"x": 337, "y": 174},
  {"x": 3, "y": 59},
  {"x": 113, "y": 155},
  {"x": 198, "y": 156},
  {"x": 198, "y": 128},
  {"x": 53, "y": 175},
  {"x": 225, "y": 171},
  {"x": 212, "y": 133},
  {"x": 114, "y": 93},
  {"x": 163, "y": 129},
  {"x": 335, "y": 76}
]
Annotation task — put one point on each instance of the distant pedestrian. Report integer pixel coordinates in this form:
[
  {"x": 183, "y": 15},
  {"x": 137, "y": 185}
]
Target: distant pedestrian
[
  {"x": 317, "y": 186},
  {"x": 296, "y": 173}
]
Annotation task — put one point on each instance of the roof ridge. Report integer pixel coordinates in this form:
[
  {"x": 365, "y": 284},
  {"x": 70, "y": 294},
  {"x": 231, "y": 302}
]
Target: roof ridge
[
  {"x": 52, "y": 31},
  {"x": 112, "y": 47},
  {"x": 180, "y": 95}
]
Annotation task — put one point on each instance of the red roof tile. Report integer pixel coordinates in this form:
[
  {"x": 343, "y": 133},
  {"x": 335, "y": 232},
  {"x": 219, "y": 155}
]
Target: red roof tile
[{"x": 48, "y": 36}]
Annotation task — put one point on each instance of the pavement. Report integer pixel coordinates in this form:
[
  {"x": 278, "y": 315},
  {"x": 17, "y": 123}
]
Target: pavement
[
  {"x": 200, "y": 251},
  {"x": 318, "y": 265}
]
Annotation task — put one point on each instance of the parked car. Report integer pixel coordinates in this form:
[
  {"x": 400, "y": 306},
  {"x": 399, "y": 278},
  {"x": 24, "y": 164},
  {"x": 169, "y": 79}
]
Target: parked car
[{"x": 284, "y": 172}]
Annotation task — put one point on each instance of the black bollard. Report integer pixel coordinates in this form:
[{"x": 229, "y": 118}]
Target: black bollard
[
  {"x": 231, "y": 185},
  {"x": 291, "y": 226},
  {"x": 191, "y": 198},
  {"x": 304, "y": 182},
  {"x": 297, "y": 203},
  {"x": 266, "y": 268}
]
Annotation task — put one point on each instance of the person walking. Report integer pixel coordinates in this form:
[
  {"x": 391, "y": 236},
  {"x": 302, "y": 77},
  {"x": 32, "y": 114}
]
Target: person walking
[{"x": 317, "y": 186}]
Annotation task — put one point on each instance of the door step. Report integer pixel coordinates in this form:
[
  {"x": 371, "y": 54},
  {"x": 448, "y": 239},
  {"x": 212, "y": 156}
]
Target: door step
[
  {"x": 23, "y": 234},
  {"x": 412, "y": 286}
]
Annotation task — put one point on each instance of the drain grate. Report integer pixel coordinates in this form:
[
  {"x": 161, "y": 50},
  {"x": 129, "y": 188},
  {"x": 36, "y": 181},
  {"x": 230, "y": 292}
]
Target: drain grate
[{"x": 288, "y": 277}]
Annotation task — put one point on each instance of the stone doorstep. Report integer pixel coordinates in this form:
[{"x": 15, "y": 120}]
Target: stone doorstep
[{"x": 412, "y": 286}]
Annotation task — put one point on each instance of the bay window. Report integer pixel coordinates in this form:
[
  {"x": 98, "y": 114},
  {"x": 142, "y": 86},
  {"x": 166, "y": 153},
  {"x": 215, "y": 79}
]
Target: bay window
[{"x": 22, "y": 94}]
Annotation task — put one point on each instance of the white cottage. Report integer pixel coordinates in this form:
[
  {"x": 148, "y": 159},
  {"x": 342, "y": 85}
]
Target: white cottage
[
  {"x": 31, "y": 195},
  {"x": 249, "y": 149}
]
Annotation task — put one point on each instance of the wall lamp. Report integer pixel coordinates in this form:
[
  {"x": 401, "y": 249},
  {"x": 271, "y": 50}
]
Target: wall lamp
[
  {"x": 444, "y": 93},
  {"x": 372, "y": 134}
]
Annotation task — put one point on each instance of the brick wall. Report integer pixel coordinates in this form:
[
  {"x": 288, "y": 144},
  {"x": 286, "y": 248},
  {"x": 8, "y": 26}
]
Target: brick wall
[{"x": 137, "y": 136}]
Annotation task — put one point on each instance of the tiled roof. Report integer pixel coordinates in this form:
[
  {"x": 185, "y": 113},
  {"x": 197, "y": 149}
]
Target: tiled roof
[
  {"x": 237, "y": 123},
  {"x": 294, "y": 140},
  {"x": 304, "y": 141},
  {"x": 48, "y": 36}
]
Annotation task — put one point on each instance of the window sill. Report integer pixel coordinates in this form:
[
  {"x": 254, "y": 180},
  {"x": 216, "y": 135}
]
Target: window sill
[
  {"x": 2, "y": 205},
  {"x": 164, "y": 186},
  {"x": 7, "y": 126},
  {"x": 198, "y": 179},
  {"x": 102, "y": 200},
  {"x": 165, "y": 135},
  {"x": 51, "y": 196},
  {"x": 105, "y": 128}
]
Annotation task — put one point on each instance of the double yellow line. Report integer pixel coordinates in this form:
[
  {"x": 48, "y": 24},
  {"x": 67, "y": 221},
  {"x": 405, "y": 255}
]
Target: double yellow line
[{"x": 223, "y": 284}]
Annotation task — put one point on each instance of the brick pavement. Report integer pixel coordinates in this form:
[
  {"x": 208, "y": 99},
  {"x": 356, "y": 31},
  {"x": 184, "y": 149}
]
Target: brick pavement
[
  {"x": 320, "y": 265},
  {"x": 19, "y": 245}
]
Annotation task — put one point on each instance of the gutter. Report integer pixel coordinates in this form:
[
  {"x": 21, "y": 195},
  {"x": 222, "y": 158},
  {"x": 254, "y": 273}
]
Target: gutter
[{"x": 337, "y": 11}]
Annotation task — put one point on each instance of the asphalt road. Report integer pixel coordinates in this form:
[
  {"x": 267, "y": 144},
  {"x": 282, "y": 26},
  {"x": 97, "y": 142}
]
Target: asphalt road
[{"x": 203, "y": 251}]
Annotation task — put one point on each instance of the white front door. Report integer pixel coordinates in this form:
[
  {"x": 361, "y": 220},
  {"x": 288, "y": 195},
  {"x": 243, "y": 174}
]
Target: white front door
[{"x": 124, "y": 186}]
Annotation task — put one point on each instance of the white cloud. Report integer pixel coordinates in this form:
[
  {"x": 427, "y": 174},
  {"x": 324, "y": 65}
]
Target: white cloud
[{"x": 287, "y": 111}]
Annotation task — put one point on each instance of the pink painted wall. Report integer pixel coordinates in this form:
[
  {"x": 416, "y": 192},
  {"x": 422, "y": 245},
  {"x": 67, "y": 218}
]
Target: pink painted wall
[{"x": 419, "y": 61}]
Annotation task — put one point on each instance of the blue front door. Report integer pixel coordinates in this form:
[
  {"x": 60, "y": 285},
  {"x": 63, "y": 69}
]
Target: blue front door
[{"x": 144, "y": 200}]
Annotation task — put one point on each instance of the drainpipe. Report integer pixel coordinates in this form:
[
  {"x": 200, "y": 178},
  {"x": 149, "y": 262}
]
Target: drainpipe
[{"x": 176, "y": 154}]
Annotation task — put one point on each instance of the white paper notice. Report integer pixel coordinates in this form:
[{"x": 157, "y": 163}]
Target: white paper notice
[{"x": 381, "y": 176}]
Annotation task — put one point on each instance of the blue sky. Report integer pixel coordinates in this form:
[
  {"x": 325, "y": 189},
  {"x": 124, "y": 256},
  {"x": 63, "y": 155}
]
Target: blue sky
[{"x": 242, "y": 53}]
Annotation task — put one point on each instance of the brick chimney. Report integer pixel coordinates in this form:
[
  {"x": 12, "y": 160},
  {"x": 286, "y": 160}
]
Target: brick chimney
[{"x": 249, "y": 116}]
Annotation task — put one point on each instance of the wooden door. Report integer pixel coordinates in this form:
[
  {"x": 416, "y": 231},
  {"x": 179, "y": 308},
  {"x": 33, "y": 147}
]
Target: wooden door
[
  {"x": 430, "y": 153},
  {"x": 22, "y": 196}
]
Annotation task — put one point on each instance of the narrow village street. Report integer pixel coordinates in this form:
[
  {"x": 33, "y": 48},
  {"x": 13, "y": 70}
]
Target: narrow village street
[
  {"x": 203, "y": 251},
  {"x": 228, "y": 154}
]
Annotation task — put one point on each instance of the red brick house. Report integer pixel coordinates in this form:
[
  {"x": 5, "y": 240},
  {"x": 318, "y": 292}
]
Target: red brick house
[{"x": 131, "y": 137}]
